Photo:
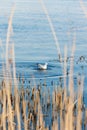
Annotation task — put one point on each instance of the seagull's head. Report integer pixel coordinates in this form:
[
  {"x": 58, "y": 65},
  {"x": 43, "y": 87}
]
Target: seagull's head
[{"x": 46, "y": 63}]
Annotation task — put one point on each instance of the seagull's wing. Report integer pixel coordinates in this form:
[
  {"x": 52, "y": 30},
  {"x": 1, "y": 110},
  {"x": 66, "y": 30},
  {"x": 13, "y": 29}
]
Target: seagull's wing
[{"x": 40, "y": 66}]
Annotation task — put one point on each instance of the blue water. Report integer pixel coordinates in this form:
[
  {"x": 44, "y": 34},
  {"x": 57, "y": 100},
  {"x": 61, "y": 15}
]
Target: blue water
[
  {"x": 33, "y": 38},
  {"x": 31, "y": 31}
]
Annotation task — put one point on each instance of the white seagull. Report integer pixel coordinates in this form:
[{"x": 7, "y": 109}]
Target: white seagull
[{"x": 42, "y": 66}]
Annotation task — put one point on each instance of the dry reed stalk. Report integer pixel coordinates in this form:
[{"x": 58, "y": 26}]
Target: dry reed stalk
[
  {"x": 55, "y": 125},
  {"x": 1, "y": 124},
  {"x": 70, "y": 112},
  {"x": 67, "y": 117},
  {"x": 65, "y": 90},
  {"x": 14, "y": 67},
  {"x": 4, "y": 109},
  {"x": 9, "y": 34},
  {"x": 40, "y": 122},
  {"x": 52, "y": 29},
  {"x": 10, "y": 116},
  {"x": 54, "y": 101},
  {"x": 36, "y": 100},
  {"x": 17, "y": 108},
  {"x": 65, "y": 68},
  {"x": 16, "y": 91},
  {"x": 71, "y": 87},
  {"x": 85, "y": 121},
  {"x": 8, "y": 103},
  {"x": 8, "y": 91},
  {"x": 61, "y": 114},
  {"x": 24, "y": 115},
  {"x": 80, "y": 102}
]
